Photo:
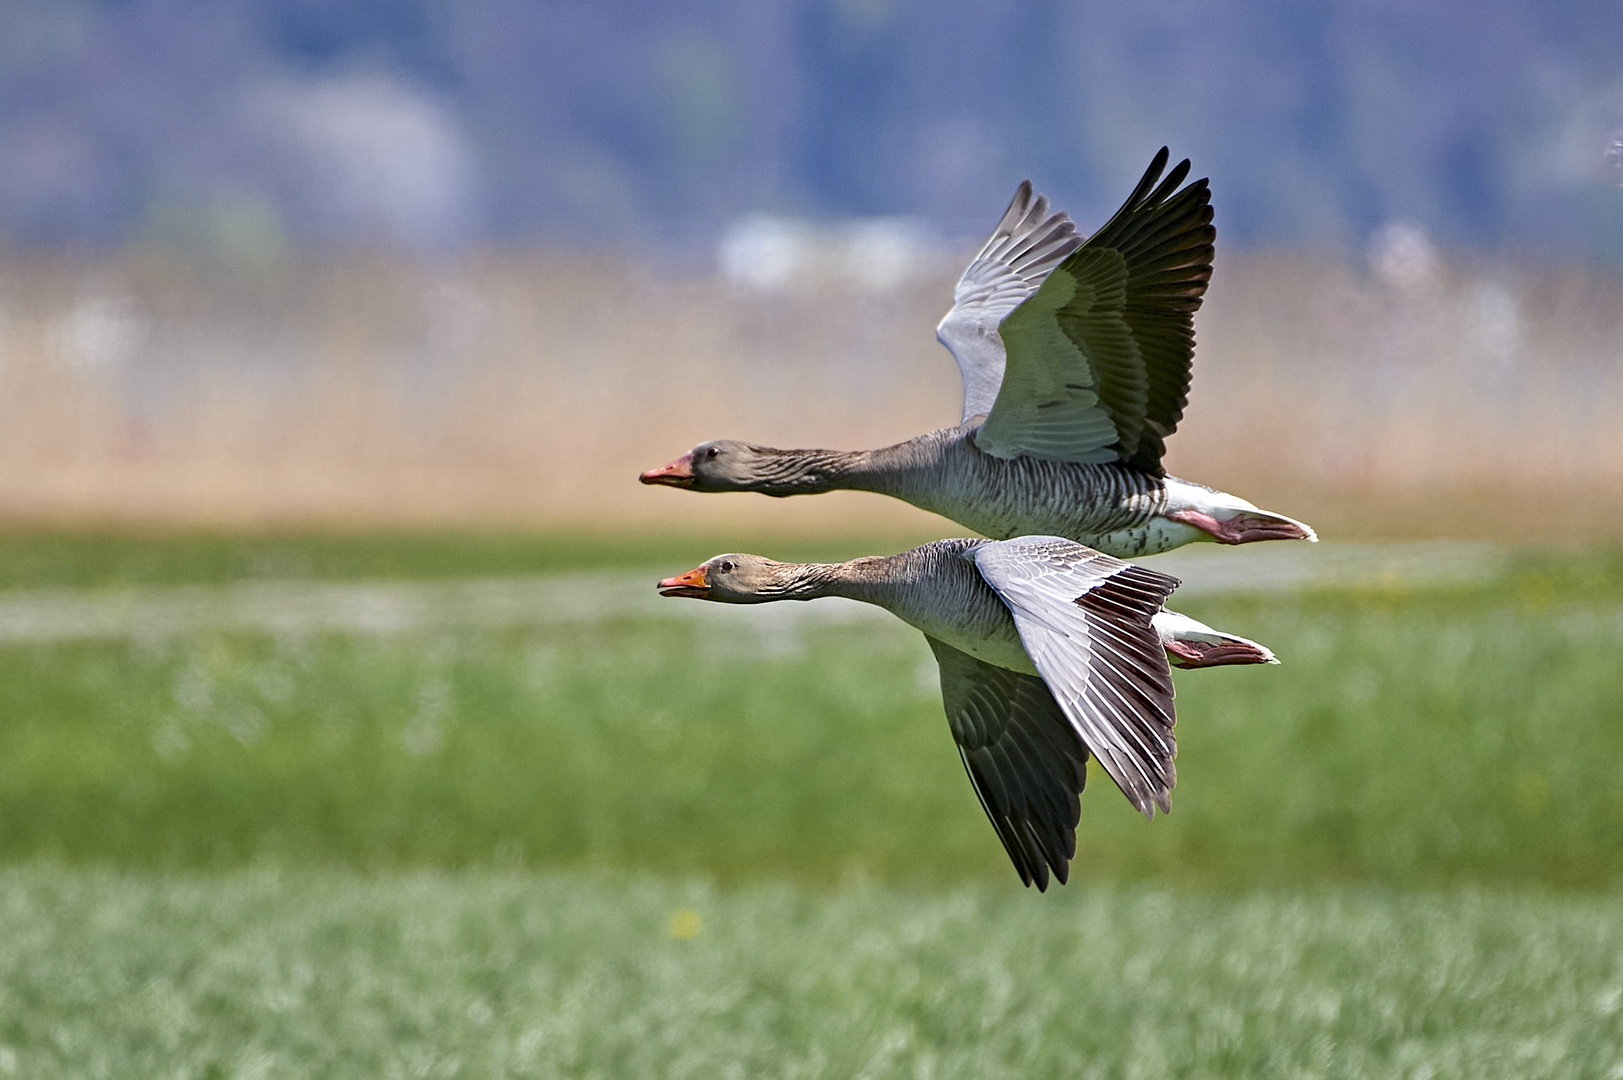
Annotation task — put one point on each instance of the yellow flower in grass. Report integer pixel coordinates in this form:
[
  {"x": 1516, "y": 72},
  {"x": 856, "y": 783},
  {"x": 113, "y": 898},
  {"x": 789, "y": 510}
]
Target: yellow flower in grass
[{"x": 685, "y": 924}]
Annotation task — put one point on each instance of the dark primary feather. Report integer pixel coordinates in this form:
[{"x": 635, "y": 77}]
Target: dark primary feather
[
  {"x": 1166, "y": 241},
  {"x": 1097, "y": 357},
  {"x": 1023, "y": 758}
]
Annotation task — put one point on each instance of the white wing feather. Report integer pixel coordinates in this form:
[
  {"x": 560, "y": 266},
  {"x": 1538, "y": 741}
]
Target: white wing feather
[
  {"x": 1084, "y": 619},
  {"x": 1025, "y": 247}
]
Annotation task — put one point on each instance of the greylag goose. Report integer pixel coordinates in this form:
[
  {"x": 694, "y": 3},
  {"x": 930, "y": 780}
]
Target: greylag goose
[
  {"x": 1075, "y": 358},
  {"x": 1048, "y": 651}
]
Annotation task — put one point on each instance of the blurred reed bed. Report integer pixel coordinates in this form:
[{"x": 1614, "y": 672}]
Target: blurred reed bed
[
  {"x": 529, "y": 388},
  {"x": 1467, "y": 399}
]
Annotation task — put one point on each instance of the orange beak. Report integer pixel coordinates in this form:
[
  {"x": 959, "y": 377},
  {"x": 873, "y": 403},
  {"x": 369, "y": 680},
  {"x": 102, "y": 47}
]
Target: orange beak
[
  {"x": 691, "y": 584},
  {"x": 678, "y": 473}
]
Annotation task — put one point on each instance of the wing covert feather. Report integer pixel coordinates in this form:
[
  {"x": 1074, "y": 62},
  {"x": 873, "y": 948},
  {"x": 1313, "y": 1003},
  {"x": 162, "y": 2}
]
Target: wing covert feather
[{"x": 1069, "y": 409}]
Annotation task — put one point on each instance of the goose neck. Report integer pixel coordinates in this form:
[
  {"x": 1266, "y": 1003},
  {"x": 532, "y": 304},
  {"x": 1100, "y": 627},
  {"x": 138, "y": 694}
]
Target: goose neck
[
  {"x": 802, "y": 472},
  {"x": 866, "y": 579},
  {"x": 891, "y": 470},
  {"x": 901, "y": 470}
]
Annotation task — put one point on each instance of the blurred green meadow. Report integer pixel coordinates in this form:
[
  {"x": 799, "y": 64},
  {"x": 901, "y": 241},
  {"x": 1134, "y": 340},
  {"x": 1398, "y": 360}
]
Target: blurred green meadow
[
  {"x": 1411, "y": 736},
  {"x": 602, "y": 834}
]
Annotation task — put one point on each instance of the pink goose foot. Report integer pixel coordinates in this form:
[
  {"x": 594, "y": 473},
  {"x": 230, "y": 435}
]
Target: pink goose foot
[
  {"x": 1198, "y": 654},
  {"x": 1243, "y": 528},
  {"x": 1191, "y": 644}
]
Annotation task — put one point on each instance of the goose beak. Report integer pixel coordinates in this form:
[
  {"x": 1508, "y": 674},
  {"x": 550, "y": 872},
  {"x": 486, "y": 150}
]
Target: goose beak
[
  {"x": 689, "y": 584},
  {"x": 678, "y": 473}
]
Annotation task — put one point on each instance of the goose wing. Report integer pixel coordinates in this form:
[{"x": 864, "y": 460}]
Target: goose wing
[
  {"x": 1084, "y": 619},
  {"x": 1028, "y": 243},
  {"x": 1098, "y": 356},
  {"x": 1022, "y": 756}
]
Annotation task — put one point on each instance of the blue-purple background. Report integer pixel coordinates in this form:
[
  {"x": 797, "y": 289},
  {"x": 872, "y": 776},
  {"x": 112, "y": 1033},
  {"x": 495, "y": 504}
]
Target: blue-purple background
[{"x": 239, "y": 125}]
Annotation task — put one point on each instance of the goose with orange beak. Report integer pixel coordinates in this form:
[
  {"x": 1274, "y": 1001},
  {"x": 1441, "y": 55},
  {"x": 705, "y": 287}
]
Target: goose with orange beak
[{"x": 1048, "y": 651}]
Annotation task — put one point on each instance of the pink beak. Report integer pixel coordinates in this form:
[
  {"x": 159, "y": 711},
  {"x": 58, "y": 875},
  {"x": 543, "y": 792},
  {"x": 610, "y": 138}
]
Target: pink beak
[{"x": 678, "y": 473}]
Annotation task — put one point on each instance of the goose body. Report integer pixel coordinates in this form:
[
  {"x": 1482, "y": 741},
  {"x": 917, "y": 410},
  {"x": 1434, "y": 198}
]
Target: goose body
[
  {"x": 1048, "y": 651},
  {"x": 1113, "y": 508},
  {"x": 1075, "y": 357}
]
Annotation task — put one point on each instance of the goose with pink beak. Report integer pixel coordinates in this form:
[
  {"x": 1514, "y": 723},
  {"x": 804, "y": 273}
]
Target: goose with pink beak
[{"x": 1076, "y": 358}]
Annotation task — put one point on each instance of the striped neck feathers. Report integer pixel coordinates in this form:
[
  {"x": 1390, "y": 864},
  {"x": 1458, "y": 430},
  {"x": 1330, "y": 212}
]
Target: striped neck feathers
[
  {"x": 751, "y": 579},
  {"x": 727, "y": 465}
]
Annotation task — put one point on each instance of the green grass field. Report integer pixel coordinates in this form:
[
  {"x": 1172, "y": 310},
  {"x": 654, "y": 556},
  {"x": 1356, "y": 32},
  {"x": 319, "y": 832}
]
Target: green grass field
[
  {"x": 486, "y": 974},
  {"x": 460, "y": 851},
  {"x": 32, "y": 559},
  {"x": 1410, "y": 738}
]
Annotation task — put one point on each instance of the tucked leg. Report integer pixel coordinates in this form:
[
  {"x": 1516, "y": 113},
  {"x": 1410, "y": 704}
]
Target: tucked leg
[{"x": 1244, "y": 527}]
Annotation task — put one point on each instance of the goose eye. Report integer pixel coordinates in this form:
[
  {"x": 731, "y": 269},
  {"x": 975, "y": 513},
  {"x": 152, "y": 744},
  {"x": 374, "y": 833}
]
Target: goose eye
[
  {"x": 712, "y": 452},
  {"x": 726, "y": 566}
]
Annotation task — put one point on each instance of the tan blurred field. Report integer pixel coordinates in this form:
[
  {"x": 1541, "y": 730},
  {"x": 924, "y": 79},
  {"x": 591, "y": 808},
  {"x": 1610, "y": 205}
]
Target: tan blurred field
[{"x": 529, "y": 389}]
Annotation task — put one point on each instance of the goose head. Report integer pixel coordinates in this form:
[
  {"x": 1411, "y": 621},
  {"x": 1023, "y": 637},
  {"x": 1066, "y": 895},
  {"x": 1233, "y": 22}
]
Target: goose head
[
  {"x": 733, "y": 579},
  {"x": 722, "y": 465}
]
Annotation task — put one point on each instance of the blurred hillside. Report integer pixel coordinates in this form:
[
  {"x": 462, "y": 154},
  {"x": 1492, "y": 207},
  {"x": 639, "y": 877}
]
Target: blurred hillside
[{"x": 247, "y": 127}]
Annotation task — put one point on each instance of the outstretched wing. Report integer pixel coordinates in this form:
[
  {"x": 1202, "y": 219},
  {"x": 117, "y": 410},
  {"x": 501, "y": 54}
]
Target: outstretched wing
[
  {"x": 1023, "y": 758},
  {"x": 1099, "y": 356},
  {"x": 1027, "y": 244},
  {"x": 1084, "y": 619}
]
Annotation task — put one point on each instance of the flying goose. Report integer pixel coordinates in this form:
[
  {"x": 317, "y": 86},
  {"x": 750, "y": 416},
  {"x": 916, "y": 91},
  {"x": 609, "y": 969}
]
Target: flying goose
[
  {"x": 1048, "y": 651},
  {"x": 1065, "y": 434}
]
